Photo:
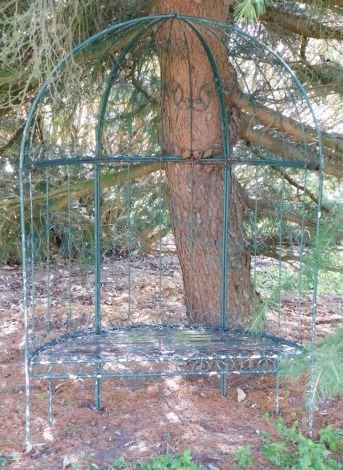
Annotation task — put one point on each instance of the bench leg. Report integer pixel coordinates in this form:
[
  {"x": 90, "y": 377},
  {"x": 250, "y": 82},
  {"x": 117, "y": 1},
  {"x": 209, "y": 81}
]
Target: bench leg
[
  {"x": 223, "y": 385},
  {"x": 160, "y": 383},
  {"x": 50, "y": 403},
  {"x": 98, "y": 405},
  {"x": 27, "y": 411},
  {"x": 98, "y": 394},
  {"x": 277, "y": 394}
]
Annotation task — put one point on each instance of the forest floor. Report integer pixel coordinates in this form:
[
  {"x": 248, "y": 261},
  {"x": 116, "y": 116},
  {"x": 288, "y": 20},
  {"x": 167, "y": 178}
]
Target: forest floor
[{"x": 142, "y": 417}]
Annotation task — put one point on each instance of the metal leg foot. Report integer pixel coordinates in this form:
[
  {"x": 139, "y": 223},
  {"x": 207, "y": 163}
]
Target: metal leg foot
[
  {"x": 277, "y": 380},
  {"x": 27, "y": 413},
  {"x": 98, "y": 394},
  {"x": 223, "y": 385},
  {"x": 50, "y": 403}
]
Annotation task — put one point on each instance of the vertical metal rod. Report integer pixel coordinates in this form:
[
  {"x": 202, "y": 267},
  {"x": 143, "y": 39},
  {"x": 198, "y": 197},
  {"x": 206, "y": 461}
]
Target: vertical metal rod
[
  {"x": 281, "y": 225},
  {"x": 301, "y": 258},
  {"x": 192, "y": 182},
  {"x": 32, "y": 325},
  {"x": 160, "y": 380},
  {"x": 311, "y": 407},
  {"x": 277, "y": 392},
  {"x": 223, "y": 382},
  {"x": 192, "y": 242},
  {"x": 47, "y": 234},
  {"x": 160, "y": 223},
  {"x": 25, "y": 289},
  {"x": 227, "y": 168},
  {"x": 69, "y": 257},
  {"x": 256, "y": 233},
  {"x": 27, "y": 402},
  {"x": 223, "y": 385},
  {"x": 315, "y": 293},
  {"x": 97, "y": 267},
  {"x": 129, "y": 223},
  {"x": 50, "y": 402},
  {"x": 97, "y": 249},
  {"x": 225, "y": 244},
  {"x": 98, "y": 405}
]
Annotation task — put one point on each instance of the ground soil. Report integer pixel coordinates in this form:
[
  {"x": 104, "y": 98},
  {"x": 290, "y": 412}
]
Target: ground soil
[{"x": 141, "y": 417}]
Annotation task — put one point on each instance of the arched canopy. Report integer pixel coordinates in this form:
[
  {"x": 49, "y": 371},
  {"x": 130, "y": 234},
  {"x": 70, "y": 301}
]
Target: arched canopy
[{"x": 105, "y": 101}]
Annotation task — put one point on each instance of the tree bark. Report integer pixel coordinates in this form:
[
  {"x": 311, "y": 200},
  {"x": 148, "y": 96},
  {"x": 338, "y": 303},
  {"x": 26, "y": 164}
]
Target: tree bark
[{"x": 192, "y": 128}]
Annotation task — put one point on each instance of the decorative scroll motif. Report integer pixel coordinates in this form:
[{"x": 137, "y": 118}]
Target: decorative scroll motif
[
  {"x": 176, "y": 48},
  {"x": 182, "y": 102}
]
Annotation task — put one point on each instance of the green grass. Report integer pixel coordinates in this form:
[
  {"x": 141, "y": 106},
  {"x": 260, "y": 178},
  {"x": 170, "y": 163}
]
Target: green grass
[
  {"x": 294, "y": 451},
  {"x": 8, "y": 459},
  {"x": 172, "y": 461}
]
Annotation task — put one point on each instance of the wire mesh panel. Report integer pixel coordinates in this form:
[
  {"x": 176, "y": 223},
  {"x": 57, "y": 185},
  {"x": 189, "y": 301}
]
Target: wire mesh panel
[{"x": 171, "y": 190}]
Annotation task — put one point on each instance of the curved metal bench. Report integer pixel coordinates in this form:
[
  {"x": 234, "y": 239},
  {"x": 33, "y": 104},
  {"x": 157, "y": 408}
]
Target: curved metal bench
[
  {"x": 160, "y": 350},
  {"x": 99, "y": 187}
]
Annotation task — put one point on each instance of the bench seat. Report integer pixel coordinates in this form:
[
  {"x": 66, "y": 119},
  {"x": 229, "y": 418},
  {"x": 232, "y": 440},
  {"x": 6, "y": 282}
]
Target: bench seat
[{"x": 160, "y": 350}]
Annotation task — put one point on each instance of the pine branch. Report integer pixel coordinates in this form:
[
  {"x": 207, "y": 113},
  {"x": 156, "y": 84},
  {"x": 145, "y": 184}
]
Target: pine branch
[
  {"x": 277, "y": 146},
  {"x": 60, "y": 197},
  {"x": 13, "y": 140},
  {"x": 304, "y": 26},
  {"x": 263, "y": 208},
  {"x": 323, "y": 366},
  {"x": 275, "y": 120},
  {"x": 323, "y": 3},
  {"x": 302, "y": 188}
]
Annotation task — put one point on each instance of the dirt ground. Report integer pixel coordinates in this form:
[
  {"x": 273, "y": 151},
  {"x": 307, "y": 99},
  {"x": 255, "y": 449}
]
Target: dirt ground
[{"x": 140, "y": 417}]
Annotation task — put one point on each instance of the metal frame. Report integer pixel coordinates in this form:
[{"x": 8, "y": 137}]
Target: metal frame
[{"x": 222, "y": 363}]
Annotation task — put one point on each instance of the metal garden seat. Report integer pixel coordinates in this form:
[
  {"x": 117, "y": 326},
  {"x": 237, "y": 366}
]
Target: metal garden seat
[{"x": 168, "y": 128}]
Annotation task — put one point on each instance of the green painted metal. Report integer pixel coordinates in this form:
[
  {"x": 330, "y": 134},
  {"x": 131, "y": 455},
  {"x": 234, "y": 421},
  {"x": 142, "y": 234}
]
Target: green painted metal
[
  {"x": 169, "y": 159},
  {"x": 81, "y": 235},
  {"x": 227, "y": 169}
]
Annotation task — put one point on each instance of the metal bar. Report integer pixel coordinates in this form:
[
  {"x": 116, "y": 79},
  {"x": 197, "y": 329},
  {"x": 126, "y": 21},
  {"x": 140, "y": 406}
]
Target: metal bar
[
  {"x": 31, "y": 238},
  {"x": 97, "y": 249},
  {"x": 255, "y": 237},
  {"x": 98, "y": 405},
  {"x": 48, "y": 260},
  {"x": 27, "y": 402},
  {"x": 223, "y": 382},
  {"x": 315, "y": 298},
  {"x": 191, "y": 243},
  {"x": 148, "y": 21},
  {"x": 50, "y": 402},
  {"x": 227, "y": 169},
  {"x": 223, "y": 385},
  {"x": 176, "y": 359},
  {"x": 225, "y": 245},
  {"x": 160, "y": 261},
  {"x": 129, "y": 241},
  {"x": 113, "y": 74},
  {"x": 171, "y": 159},
  {"x": 70, "y": 268},
  {"x": 241, "y": 332},
  {"x": 25, "y": 306},
  {"x": 277, "y": 393},
  {"x": 280, "y": 263},
  {"x": 155, "y": 374}
]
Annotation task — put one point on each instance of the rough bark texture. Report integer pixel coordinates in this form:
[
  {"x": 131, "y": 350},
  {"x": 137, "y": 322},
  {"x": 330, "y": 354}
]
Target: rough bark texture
[{"x": 192, "y": 129}]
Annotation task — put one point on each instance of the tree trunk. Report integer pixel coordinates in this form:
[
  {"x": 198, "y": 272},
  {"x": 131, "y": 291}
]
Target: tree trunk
[{"x": 192, "y": 128}]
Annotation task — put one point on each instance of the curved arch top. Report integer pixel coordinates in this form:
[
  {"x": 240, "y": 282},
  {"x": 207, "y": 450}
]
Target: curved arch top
[{"x": 107, "y": 100}]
